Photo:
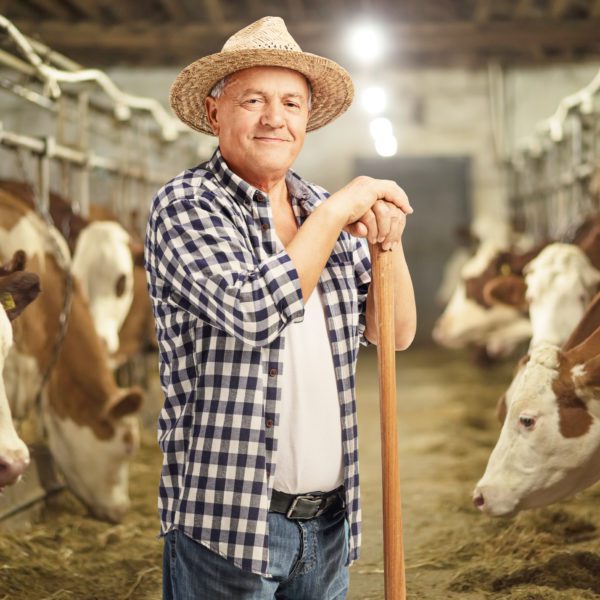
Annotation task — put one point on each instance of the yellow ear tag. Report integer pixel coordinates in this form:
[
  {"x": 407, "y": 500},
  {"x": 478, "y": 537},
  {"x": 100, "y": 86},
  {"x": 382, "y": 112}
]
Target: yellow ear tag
[
  {"x": 505, "y": 269},
  {"x": 7, "y": 301}
]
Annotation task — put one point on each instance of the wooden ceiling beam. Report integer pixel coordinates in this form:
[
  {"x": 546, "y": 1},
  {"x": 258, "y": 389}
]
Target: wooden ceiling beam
[
  {"x": 52, "y": 8},
  {"x": 492, "y": 38},
  {"x": 88, "y": 9},
  {"x": 175, "y": 10},
  {"x": 214, "y": 12}
]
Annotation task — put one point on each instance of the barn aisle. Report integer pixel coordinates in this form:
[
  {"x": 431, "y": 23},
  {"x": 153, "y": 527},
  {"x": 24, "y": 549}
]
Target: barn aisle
[{"x": 447, "y": 428}]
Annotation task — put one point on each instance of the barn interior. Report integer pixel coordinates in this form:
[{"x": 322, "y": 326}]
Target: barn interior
[{"x": 486, "y": 112}]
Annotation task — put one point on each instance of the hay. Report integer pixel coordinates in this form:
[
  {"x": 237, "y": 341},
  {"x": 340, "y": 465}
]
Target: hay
[{"x": 71, "y": 555}]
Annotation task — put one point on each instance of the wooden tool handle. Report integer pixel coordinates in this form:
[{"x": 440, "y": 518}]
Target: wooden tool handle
[{"x": 383, "y": 288}]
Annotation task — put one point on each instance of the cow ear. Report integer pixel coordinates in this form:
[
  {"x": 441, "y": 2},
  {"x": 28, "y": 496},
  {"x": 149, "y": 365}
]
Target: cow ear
[
  {"x": 137, "y": 253},
  {"x": 518, "y": 261},
  {"x": 587, "y": 326},
  {"x": 17, "y": 290},
  {"x": 126, "y": 402},
  {"x": 16, "y": 263},
  {"x": 509, "y": 289},
  {"x": 590, "y": 244},
  {"x": 587, "y": 375},
  {"x": 501, "y": 408}
]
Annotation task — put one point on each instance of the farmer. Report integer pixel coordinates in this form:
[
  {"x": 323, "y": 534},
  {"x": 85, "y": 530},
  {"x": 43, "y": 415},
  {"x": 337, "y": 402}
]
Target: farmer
[{"x": 260, "y": 287}]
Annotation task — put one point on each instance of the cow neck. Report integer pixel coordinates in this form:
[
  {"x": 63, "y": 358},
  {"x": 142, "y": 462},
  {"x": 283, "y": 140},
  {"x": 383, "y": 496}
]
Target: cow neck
[
  {"x": 82, "y": 386},
  {"x": 586, "y": 336}
]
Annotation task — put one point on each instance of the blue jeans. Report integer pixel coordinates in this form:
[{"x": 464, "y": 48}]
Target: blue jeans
[{"x": 307, "y": 562}]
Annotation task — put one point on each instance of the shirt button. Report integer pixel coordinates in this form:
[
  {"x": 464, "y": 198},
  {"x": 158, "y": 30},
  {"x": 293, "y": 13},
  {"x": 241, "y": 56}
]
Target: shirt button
[
  {"x": 258, "y": 197},
  {"x": 269, "y": 423},
  {"x": 273, "y": 372},
  {"x": 265, "y": 226}
]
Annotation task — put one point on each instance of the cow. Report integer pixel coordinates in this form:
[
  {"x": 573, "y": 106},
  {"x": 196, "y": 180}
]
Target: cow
[
  {"x": 17, "y": 289},
  {"x": 90, "y": 424},
  {"x": 549, "y": 445},
  {"x": 556, "y": 288},
  {"x": 470, "y": 319},
  {"x": 102, "y": 261}
]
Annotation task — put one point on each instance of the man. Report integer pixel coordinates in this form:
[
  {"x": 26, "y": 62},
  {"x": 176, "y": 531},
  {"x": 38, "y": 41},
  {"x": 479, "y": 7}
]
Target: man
[{"x": 259, "y": 283}]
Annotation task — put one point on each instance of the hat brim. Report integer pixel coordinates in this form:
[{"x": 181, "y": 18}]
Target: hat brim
[{"x": 332, "y": 88}]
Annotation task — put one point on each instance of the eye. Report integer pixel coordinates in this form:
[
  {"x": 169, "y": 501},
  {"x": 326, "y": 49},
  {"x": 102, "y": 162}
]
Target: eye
[{"x": 527, "y": 422}]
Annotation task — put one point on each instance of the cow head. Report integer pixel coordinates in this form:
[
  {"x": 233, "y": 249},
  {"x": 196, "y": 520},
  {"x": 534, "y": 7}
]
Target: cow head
[
  {"x": 469, "y": 318},
  {"x": 94, "y": 458},
  {"x": 561, "y": 282},
  {"x": 549, "y": 446},
  {"x": 104, "y": 265},
  {"x": 17, "y": 290}
]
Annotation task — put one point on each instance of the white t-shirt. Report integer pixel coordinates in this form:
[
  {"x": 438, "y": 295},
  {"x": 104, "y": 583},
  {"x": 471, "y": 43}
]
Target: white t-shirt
[{"x": 309, "y": 456}]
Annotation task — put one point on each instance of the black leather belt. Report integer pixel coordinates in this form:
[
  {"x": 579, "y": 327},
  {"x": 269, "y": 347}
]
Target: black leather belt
[{"x": 308, "y": 506}]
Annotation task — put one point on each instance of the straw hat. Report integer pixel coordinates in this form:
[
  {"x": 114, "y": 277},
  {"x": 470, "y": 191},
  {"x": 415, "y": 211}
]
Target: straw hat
[{"x": 265, "y": 43}]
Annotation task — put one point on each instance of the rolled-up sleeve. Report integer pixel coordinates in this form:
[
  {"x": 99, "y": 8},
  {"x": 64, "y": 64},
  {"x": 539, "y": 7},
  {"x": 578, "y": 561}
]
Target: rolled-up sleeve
[{"x": 211, "y": 272}]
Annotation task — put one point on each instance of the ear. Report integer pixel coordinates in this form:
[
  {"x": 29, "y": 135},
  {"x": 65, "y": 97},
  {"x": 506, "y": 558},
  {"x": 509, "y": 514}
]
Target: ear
[
  {"x": 137, "y": 253},
  {"x": 501, "y": 408},
  {"x": 586, "y": 328},
  {"x": 518, "y": 261},
  {"x": 17, "y": 291},
  {"x": 508, "y": 289},
  {"x": 590, "y": 244},
  {"x": 588, "y": 374},
  {"x": 210, "y": 105},
  {"x": 16, "y": 263},
  {"x": 125, "y": 402}
]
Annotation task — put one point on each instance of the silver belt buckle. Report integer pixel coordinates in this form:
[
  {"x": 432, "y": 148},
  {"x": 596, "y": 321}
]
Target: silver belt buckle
[{"x": 310, "y": 498}]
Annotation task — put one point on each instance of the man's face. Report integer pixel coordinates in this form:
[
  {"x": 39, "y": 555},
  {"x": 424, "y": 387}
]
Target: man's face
[{"x": 261, "y": 121}]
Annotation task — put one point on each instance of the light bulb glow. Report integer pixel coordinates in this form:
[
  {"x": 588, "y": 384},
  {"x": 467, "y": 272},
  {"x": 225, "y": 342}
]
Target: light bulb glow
[
  {"x": 381, "y": 127},
  {"x": 366, "y": 43},
  {"x": 386, "y": 145},
  {"x": 374, "y": 99}
]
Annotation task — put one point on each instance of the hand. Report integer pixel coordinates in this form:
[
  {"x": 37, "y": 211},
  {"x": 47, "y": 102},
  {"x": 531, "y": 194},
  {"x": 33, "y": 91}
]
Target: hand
[
  {"x": 383, "y": 223},
  {"x": 355, "y": 200}
]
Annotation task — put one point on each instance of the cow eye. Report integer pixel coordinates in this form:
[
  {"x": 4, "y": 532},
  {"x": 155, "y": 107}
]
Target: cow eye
[{"x": 527, "y": 422}]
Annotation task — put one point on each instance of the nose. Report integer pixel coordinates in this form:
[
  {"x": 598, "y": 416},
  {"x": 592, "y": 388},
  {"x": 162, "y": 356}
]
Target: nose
[
  {"x": 11, "y": 469},
  {"x": 272, "y": 116},
  {"x": 478, "y": 500}
]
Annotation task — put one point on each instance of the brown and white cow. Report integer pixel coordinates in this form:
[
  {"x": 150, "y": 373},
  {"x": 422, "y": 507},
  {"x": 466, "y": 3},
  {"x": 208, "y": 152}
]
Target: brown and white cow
[
  {"x": 470, "y": 319},
  {"x": 549, "y": 446},
  {"x": 17, "y": 290},
  {"x": 102, "y": 261},
  {"x": 91, "y": 426},
  {"x": 556, "y": 288}
]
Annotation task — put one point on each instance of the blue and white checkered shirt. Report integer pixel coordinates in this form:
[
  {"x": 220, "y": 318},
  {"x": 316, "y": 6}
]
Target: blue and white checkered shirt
[{"x": 223, "y": 289}]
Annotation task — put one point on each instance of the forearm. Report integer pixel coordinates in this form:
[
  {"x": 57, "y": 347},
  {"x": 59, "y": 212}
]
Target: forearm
[
  {"x": 312, "y": 245},
  {"x": 405, "y": 312}
]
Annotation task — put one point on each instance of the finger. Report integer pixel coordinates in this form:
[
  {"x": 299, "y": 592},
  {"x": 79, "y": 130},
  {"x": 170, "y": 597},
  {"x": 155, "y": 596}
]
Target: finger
[
  {"x": 390, "y": 191},
  {"x": 370, "y": 222},
  {"x": 357, "y": 229},
  {"x": 383, "y": 215}
]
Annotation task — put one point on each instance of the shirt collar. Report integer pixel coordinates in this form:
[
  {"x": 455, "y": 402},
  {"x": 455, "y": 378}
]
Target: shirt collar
[{"x": 248, "y": 195}]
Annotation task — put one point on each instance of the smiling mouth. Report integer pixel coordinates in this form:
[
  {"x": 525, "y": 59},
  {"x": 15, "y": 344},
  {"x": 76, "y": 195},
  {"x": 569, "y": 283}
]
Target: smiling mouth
[{"x": 268, "y": 139}]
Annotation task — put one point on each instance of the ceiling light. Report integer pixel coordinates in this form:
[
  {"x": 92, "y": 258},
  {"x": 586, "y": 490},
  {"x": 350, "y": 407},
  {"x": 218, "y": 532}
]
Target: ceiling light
[
  {"x": 374, "y": 99},
  {"x": 366, "y": 43}
]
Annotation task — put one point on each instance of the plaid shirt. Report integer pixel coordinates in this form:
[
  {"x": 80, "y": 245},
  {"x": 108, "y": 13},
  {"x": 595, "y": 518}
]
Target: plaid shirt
[{"x": 223, "y": 289}]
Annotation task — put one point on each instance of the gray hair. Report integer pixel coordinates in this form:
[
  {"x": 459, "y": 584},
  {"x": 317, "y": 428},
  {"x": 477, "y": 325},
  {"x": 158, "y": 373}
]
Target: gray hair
[{"x": 217, "y": 90}]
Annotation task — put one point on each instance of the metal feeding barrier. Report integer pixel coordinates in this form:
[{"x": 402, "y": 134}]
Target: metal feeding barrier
[
  {"x": 552, "y": 173},
  {"x": 95, "y": 96},
  {"x": 92, "y": 128}
]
